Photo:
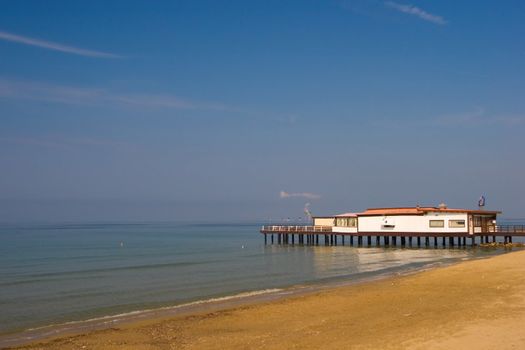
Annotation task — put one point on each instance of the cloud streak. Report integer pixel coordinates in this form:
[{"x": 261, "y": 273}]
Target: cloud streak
[
  {"x": 71, "y": 95},
  {"x": 477, "y": 118},
  {"x": 62, "y": 142},
  {"x": 416, "y": 11},
  {"x": 307, "y": 195},
  {"x": 49, "y": 45}
]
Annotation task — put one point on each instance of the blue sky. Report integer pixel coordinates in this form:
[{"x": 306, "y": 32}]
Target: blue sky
[{"x": 207, "y": 110}]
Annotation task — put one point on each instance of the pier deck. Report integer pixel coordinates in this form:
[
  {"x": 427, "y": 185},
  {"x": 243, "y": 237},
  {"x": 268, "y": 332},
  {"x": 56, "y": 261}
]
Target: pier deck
[{"x": 310, "y": 235}]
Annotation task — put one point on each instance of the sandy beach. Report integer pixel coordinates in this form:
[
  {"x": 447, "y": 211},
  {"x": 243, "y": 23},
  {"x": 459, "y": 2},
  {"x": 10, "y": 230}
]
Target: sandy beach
[{"x": 471, "y": 305}]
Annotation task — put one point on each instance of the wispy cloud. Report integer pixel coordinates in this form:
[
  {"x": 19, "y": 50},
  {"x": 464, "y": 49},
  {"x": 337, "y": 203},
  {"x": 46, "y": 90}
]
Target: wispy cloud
[
  {"x": 49, "y": 45},
  {"x": 37, "y": 91},
  {"x": 287, "y": 119},
  {"x": 62, "y": 142},
  {"x": 416, "y": 11},
  {"x": 478, "y": 117},
  {"x": 308, "y": 195}
]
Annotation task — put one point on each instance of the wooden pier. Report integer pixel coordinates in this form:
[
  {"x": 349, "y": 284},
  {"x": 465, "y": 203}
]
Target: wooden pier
[{"x": 324, "y": 235}]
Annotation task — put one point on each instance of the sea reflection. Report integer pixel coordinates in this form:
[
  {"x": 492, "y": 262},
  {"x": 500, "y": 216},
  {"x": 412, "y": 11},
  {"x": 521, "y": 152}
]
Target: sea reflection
[{"x": 321, "y": 262}]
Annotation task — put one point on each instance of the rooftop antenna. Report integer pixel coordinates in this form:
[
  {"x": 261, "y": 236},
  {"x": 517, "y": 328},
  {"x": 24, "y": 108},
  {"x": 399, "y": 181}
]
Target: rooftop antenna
[{"x": 307, "y": 211}]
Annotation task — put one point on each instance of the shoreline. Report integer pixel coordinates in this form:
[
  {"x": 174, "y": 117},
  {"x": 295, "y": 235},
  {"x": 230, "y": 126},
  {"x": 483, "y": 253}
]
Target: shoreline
[
  {"x": 236, "y": 304},
  {"x": 214, "y": 304},
  {"x": 18, "y": 337}
]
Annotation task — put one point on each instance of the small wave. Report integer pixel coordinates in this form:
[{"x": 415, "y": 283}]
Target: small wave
[
  {"x": 119, "y": 317},
  {"x": 119, "y": 268},
  {"x": 235, "y": 296}
]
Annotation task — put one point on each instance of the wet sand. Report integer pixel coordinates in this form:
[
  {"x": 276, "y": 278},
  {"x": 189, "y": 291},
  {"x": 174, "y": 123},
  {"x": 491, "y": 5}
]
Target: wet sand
[{"x": 472, "y": 305}]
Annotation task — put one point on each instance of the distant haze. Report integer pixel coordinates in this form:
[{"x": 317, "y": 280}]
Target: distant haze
[{"x": 246, "y": 111}]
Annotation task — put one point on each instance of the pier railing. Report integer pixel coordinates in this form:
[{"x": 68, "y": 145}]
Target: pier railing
[
  {"x": 499, "y": 229},
  {"x": 510, "y": 228},
  {"x": 309, "y": 235},
  {"x": 295, "y": 229}
]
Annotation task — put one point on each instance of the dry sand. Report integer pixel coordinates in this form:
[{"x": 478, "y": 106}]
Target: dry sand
[{"x": 472, "y": 305}]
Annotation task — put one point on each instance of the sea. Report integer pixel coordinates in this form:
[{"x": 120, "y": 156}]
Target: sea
[{"x": 61, "y": 276}]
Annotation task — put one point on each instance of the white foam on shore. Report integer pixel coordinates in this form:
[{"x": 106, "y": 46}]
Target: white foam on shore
[
  {"x": 117, "y": 317},
  {"x": 102, "y": 322}
]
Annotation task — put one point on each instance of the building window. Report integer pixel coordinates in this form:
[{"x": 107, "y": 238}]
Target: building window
[
  {"x": 436, "y": 223},
  {"x": 456, "y": 223},
  {"x": 477, "y": 221},
  {"x": 346, "y": 222}
]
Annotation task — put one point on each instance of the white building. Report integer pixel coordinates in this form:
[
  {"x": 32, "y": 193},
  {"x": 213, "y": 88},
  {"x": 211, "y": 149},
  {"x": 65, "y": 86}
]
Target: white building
[{"x": 412, "y": 220}]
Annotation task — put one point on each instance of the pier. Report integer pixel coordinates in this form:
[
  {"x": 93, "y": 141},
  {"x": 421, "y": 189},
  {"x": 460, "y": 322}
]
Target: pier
[{"x": 324, "y": 235}]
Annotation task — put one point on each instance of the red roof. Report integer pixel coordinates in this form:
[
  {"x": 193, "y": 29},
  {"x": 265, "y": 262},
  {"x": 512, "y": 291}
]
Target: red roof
[
  {"x": 392, "y": 211},
  {"x": 346, "y": 215},
  {"x": 421, "y": 211}
]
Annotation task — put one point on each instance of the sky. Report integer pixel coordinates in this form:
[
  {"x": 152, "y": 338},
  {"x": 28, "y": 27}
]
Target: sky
[{"x": 249, "y": 110}]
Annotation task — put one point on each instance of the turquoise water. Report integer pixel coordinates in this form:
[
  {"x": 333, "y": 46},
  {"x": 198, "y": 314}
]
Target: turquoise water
[{"x": 52, "y": 274}]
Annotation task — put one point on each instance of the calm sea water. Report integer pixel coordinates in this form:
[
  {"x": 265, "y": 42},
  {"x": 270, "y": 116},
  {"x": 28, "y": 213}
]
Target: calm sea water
[{"x": 51, "y": 274}]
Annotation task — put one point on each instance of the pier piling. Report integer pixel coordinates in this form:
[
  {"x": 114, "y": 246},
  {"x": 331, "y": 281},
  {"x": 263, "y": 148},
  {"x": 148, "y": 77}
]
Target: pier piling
[{"x": 291, "y": 235}]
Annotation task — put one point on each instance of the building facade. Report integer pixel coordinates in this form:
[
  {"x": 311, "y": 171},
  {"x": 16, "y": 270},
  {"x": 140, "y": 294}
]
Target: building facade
[{"x": 412, "y": 220}]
